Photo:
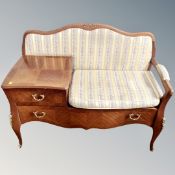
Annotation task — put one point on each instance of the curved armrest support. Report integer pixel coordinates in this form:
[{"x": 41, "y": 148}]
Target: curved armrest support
[
  {"x": 160, "y": 118},
  {"x": 165, "y": 78}
]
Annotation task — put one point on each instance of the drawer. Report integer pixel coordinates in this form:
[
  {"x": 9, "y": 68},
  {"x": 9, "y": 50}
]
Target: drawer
[
  {"x": 146, "y": 116},
  {"x": 52, "y": 115},
  {"x": 39, "y": 97},
  {"x": 74, "y": 117},
  {"x": 113, "y": 118}
]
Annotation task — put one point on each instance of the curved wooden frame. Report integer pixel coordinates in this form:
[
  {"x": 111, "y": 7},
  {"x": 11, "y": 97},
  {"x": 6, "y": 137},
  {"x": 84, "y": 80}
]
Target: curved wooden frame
[
  {"x": 160, "y": 119},
  {"x": 74, "y": 116}
]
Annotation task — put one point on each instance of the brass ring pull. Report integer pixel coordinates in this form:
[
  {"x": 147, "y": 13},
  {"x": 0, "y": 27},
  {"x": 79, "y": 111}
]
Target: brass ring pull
[
  {"x": 39, "y": 114},
  {"x": 38, "y": 98},
  {"x": 134, "y": 116}
]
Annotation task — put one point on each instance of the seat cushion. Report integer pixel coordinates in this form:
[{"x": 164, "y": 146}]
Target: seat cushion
[{"x": 109, "y": 89}]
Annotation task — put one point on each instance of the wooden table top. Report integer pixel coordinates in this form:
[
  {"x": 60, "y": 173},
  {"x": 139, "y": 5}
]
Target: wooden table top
[{"x": 40, "y": 72}]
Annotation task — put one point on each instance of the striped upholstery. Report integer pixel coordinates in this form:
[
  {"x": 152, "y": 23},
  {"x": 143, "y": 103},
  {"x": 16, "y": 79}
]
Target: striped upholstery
[
  {"x": 97, "y": 49},
  {"x": 109, "y": 89},
  {"x": 163, "y": 72}
]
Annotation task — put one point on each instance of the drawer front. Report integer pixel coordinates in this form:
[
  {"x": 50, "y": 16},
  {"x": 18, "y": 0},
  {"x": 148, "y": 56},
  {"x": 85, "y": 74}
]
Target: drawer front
[
  {"x": 73, "y": 117},
  {"x": 53, "y": 115},
  {"x": 141, "y": 116},
  {"x": 39, "y": 97},
  {"x": 113, "y": 118}
]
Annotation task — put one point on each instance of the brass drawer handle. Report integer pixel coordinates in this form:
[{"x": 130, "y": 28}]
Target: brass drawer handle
[
  {"x": 134, "y": 116},
  {"x": 39, "y": 114},
  {"x": 38, "y": 98}
]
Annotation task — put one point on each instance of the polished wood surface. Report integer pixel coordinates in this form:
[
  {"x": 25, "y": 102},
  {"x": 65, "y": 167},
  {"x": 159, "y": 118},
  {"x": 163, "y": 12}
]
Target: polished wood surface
[
  {"x": 160, "y": 118},
  {"x": 87, "y": 118},
  {"x": 41, "y": 81},
  {"x": 40, "y": 72},
  {"x": 39, "y": 97},
  {"x": 37, "y": 89}
]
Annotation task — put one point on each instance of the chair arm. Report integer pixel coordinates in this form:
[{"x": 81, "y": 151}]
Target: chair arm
[
  {"x": 165, "y": 78},
  {"x": 162, "y": 71}
]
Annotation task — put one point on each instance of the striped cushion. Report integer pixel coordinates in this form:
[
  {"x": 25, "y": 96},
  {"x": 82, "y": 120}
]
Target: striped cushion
[
  {"x": 97, "y": 49},
  {"x": 109, "y": 89},
  {"x": 163, "y": 72}
]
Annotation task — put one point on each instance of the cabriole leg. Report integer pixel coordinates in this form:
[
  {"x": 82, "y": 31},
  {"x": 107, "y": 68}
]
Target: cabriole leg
[
  {"x": 16, "y": 124},
  {"x": 157, "y": 128}
]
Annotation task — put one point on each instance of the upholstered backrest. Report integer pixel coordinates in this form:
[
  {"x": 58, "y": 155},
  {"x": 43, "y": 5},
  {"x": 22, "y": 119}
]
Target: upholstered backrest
[{"x": 100, "y": 48}]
